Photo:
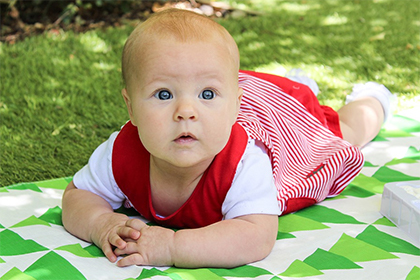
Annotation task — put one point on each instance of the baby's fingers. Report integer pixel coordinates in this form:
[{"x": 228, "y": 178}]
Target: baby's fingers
[
  {"x": 123, "y": 233},
  {"x": 136, "y": 224},
  {"x": 128, "y": 233},
  {"x": 133, "y": 259},
  {"x": 109, "y": 254},
  {"x": 116, "y": 241},
  {"x": 131, "y": 248}
]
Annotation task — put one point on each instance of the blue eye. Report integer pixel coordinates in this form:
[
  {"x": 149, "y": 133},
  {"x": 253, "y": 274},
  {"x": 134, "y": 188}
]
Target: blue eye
[
  {"x": 163, "y": 95},
  {"x": 207, "y": 94}
]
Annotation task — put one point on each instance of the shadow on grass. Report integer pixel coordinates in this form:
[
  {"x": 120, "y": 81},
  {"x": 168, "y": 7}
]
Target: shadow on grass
[
  {"x": 60, "y": 99},
  {"x": 60, "y": 93},
  {"x": 337, "y": 42}
]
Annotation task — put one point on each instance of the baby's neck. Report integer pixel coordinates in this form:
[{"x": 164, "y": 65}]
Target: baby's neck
[{"x": 172, "y": 186}]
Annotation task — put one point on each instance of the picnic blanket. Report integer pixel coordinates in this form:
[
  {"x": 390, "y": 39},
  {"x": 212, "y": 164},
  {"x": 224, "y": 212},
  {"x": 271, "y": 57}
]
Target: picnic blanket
[{"x": 341, "y": 238}]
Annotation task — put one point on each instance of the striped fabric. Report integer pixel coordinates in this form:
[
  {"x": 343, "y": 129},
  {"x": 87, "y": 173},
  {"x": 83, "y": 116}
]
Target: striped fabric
[{"x": 308, "y": 160}]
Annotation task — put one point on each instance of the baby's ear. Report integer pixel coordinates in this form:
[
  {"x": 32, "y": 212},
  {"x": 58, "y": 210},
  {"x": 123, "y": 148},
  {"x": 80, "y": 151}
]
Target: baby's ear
[
  {"x": 127, "y": 100},
  {"x": 238, "y": 101},
  {"x": 240, "y": 93}
]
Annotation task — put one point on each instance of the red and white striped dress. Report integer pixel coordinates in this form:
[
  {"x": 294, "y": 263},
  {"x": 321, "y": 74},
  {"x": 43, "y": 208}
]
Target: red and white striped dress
[{"x": 309, "y": 161}]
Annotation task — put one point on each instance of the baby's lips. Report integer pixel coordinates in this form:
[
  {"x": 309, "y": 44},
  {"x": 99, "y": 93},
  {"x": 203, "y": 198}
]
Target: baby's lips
[
  {"x": 186, "y": 135},
  {"x": 185, "y": 138}
]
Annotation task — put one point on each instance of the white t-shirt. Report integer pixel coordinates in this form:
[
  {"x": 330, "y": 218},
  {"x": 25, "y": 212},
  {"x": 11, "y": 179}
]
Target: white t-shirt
[{"x": 252, "y": 191}]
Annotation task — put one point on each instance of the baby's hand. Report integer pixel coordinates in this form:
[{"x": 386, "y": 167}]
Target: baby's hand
[
  {"x": 153, "y": 247},
  {"x": 111, "y": 230}
]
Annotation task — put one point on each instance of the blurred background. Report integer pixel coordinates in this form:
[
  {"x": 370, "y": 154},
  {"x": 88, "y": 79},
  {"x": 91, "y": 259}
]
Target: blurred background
[{"x": 61, "y": 76}]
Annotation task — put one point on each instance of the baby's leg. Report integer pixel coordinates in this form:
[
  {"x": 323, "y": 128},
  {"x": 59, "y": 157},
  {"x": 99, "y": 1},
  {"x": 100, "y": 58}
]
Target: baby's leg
[
  {"x": 361, "y": 120},
  {"x": 362, "y": 117}
]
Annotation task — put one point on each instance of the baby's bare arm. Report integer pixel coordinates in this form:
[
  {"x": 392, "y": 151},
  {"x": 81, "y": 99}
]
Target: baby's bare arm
[
  {"x": 89, "y": 217},
  {"x": 228, "y": 243}
]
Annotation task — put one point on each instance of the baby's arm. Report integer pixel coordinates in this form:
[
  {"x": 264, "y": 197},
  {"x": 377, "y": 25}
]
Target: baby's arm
[
  {"x": 228, "y": 243},
  {"x": 89, "y": 217}
]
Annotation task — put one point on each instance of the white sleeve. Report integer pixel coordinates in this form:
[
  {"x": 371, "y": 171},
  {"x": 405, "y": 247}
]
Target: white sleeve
[
  {"x": 253, "y": 190},
  {"x": 97, "y": 176}
]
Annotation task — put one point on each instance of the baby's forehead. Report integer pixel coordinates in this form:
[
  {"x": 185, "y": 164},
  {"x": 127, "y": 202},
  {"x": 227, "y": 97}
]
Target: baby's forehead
[
  {"x": 151, "y": 43},
  {"x": 169, "y": 52},
  {"x": 178, "y": 26}
]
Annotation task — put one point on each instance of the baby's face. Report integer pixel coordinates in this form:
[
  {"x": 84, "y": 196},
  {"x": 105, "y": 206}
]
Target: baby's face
[{"x": 184, "y": 100}]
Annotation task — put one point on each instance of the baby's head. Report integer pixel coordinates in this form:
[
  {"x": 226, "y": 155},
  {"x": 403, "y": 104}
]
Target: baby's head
[
  {"x": 181, "y": 75},
  {"x": 178, "y": 25}
]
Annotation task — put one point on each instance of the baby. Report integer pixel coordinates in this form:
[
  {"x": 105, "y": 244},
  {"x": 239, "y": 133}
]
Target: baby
[{"x": 218, "y": 157}]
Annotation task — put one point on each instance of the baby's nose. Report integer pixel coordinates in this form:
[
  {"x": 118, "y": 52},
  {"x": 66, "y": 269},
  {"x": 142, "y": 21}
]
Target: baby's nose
[{"x": 185, "y": 111}]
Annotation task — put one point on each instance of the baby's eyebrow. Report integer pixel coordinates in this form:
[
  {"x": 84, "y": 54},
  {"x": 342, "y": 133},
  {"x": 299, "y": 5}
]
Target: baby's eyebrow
[
  {"x": 211, "y": 77},
  {"x": 155, "y": 79}
]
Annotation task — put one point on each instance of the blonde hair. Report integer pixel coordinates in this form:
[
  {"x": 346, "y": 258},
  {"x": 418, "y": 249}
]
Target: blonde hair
[{"x": 180, "y": 25}]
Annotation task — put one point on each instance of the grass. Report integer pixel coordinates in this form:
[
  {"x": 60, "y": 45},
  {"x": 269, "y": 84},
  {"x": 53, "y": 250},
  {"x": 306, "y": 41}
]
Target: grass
[{"x": 60, "y": 93}]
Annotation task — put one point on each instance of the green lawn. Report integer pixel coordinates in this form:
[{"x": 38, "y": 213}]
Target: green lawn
[{"x": 60, "y": 93}]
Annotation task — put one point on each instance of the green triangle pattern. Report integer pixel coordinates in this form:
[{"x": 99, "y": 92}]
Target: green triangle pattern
[
  {"x": 241, "y": 271},
  {"x": 387, "y": 242},
  {"x": 68, "y": 179},
  {"x": 353, "y": 190},
  {"x": 149, "y": 273},
  {"x": 59, "y": 184},
  {"x": 76, "y": 249},
  {"x": 1, "y": 226},
  {"x": 53, "y": 266},
  {"x": 391, "y": 131},
  {"x": 16, "y": 245},
  {"x": 405, "y": 124},
  {"x": 3, "y": 190},
  {"x": 379, "y": 138},
  {"x": 359, "y": 251},
  {"x": 412, "y": 153},
  {"x": 292, "y": 222},
  {"x": 368, "y": 164},
  {"x": 192, "y": 274},
  {"x": 25, "y": 186},
  {"x": 384, "y": 222},
  {"x": 2, "y": 261},
  {"x": 31, "y": 221},
  {"x": 300, "y": 269},
  {"x": 388, "y": 175},
  {"x": 322, "y": 259},
  {"x": 94, "y": 250},
  {"x": 414, "y": 274},
  {"x": 399, "y": 126},
  {"x": 284, "y": 235},
  {"x": 16, "y": 274},
  {"x": 368, "y": 183},
  {"x": 396, "y": 161},
  {"x": 52, "y": 216},
  {"x": 324, "y": 214}
]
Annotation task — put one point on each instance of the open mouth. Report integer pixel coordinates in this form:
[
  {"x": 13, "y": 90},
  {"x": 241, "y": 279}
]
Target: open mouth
[{"x": 185, "y": 138}]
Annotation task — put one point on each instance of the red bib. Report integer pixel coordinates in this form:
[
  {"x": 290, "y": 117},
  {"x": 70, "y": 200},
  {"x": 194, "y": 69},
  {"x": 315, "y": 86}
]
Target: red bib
[{"x": 131, "y": 164}]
